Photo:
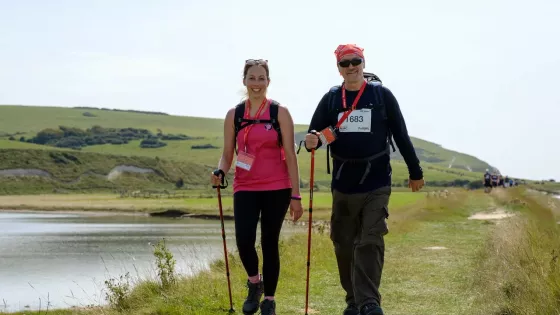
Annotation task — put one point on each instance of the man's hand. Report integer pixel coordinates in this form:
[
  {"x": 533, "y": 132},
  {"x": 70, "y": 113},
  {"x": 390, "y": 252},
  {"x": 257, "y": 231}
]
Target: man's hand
[
  {"x": 311, "y": 140},
  {"x": 415, "y": 185}
]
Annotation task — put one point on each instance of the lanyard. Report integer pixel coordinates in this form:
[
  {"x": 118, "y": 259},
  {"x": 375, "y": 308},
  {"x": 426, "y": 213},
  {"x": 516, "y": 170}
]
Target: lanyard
[
  {"x": 248, "y": 116},
  {"x": 347, "y": 113}
]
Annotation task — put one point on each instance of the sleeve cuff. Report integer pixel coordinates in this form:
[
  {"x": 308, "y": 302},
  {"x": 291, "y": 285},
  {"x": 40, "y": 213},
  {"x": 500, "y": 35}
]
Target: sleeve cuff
[
  {"x": 416, "y": 173},
  {"x": 319, "y": 144}
]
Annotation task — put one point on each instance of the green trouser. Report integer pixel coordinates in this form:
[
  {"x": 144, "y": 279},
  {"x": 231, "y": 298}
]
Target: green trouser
[{"x": 358, "y": 224}]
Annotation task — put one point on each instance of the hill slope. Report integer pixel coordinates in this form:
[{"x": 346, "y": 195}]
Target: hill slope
[{"x": 201, "y": 149}]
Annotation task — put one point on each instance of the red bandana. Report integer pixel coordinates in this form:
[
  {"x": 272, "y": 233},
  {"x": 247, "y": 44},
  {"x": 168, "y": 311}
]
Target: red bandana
[{"x": 348, "y": 49}]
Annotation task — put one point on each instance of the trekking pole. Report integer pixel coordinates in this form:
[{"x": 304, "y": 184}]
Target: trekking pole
[
  {"x": 222, "y": 186},
  {"x": 309, "y": 228}
]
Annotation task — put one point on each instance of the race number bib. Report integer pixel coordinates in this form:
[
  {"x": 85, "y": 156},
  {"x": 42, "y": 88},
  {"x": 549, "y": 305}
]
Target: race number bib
[
  {"x": 244, "y": 160},
  {"x": 358, "y": 121}
]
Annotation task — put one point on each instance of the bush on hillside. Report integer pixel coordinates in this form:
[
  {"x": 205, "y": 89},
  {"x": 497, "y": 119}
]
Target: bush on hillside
[
  {"x": 48, "y": 136},
  {"x": 204, "y": 146},
  {"x": 70, "y": 142},
  {"x": 152, "y": 143},
  {"x": 180, "y": 183},
  {"x": 432, "y": 159},
  {"x": 178, "y": 137},
  {"x": 76, "y": 138},
  {"x": 72, "y": 132}
]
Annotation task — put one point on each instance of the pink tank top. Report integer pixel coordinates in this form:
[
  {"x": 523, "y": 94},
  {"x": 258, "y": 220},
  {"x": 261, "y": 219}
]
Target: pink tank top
[{"x": 269, "y": 170}]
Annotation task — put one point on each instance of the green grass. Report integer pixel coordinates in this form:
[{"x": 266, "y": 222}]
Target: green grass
[
  {"x": 78, "y": 171},
  {"x": 519, "y": 265},
  {"x": 551, "y": 187},
  {"x": 8, "y": 144},
  {"x": 175, "y": 161},
  {"x": 28, "y": 120},
  {"x": 485, "y": 268},
  {"x": 32, "y": 119},
  {"x": 416, "y": 281}
]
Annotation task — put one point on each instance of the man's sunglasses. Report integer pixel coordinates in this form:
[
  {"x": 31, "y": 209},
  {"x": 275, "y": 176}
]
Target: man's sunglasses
[
  {"x": 253, "y": 62},
  {"x": 347, "y": 62}
]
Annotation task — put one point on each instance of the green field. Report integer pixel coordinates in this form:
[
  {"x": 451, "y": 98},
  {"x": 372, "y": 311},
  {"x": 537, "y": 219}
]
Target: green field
[
  {"x": 437, "y": 262},
  {"x": 176, "y": 160}
]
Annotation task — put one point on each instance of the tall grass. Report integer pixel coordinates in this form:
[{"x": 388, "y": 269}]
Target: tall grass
[
  {"x": 518, "y": 268},
  {"x": 509, "y": 267}
]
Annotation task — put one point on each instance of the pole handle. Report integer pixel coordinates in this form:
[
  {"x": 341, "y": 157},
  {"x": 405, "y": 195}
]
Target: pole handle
[{"x": 223, "y": 185}]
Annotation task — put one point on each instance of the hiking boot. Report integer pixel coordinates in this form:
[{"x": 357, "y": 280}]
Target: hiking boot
[
  {"x": 371, "y": 309},
  {"x": 268, "y": 307},
  {"x": 254, "y": 294},
  {"x": 351, "y": 309}
]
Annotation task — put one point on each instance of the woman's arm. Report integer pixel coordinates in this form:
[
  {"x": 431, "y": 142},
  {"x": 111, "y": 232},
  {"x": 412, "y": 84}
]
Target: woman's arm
[
  {"x": 287, "y": 127},
  {"x": 229, "y": 142}
]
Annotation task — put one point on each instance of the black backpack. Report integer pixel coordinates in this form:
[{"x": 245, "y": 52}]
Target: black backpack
[{"x": 240, "y": 122}]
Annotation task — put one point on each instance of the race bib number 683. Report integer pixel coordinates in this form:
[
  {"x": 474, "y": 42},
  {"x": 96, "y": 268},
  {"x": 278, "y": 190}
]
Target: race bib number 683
[{"x": 358, "y": 121}]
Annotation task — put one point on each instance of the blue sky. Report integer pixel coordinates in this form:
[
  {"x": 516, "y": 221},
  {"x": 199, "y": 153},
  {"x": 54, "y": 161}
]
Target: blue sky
[{"x": 474, "y": 76}]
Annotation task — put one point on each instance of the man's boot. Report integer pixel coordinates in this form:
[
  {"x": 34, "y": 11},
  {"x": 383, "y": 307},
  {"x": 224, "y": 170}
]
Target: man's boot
[
  {"x": 371, "y": 309},
  {"x": 351, "y": 309}
]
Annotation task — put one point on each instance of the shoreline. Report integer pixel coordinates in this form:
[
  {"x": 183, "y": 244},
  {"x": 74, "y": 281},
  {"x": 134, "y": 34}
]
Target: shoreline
[
  {"x": 168, "y": 214},
  {"x": 171, "y": 213}
]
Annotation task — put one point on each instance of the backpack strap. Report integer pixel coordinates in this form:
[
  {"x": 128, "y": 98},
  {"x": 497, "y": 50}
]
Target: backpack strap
[
  {"x": 237, "y": 122},
  {"x": 274, "y": 120},
  {"x": 240, "y": 122},
  {"x": 378, "y": 93}
]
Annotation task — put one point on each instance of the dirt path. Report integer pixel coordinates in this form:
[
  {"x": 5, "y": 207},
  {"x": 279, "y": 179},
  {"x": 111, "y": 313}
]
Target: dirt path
[{"x": 497, "y": 214}]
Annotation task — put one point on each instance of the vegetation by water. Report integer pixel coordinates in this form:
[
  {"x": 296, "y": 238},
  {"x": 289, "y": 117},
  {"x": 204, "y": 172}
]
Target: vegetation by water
[
  {"x": 198, "y": 202},
  {"x": 437, "y": 262}
]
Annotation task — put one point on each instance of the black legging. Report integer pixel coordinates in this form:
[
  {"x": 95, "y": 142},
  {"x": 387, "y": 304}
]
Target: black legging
[{"x": 272, "y": 205}]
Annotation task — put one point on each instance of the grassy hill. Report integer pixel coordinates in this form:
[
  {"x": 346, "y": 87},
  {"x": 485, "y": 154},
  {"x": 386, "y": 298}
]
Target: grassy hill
[{"x": 176, "y": 159}]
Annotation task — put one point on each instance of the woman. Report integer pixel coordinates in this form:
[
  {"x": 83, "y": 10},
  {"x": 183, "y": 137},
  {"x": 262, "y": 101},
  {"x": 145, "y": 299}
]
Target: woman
[{"x": 266, "y": 182}]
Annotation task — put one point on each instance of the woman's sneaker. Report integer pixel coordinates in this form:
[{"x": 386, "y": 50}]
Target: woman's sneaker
[
  {"x": 254, "y": 294},
  {"x": 268, "y": 307}
]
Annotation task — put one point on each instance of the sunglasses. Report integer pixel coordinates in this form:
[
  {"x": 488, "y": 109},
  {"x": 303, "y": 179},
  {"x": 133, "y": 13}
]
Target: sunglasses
[
  {"x": 347, "y": 62},
  {"x": 253, "y": 62}
]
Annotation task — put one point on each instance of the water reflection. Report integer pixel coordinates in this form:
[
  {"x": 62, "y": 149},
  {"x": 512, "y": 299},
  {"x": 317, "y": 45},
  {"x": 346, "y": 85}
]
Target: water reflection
[{"x": 65, "y": 258}]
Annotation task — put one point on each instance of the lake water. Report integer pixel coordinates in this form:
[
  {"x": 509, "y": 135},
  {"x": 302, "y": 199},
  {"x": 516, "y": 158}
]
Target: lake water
[{"x": 65, "y": 258}]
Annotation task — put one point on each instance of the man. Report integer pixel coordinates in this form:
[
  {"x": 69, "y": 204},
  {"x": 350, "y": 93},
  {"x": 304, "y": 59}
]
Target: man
[
  {"x": 359, "y": 142},
  {"x": 487, "y": 181},
  {"x": 495, "y": 179}
]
